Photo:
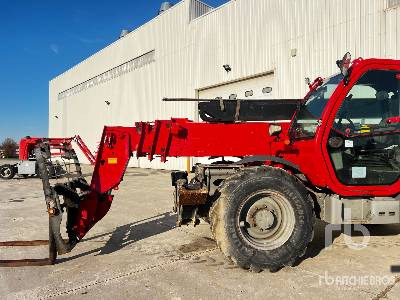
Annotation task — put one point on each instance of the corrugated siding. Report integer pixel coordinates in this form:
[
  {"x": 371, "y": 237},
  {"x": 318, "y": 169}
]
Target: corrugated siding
[
  {"x": 134, "y": 96},
  {"x": 392, "y": 25},
  {"x": 257, "y": 36},
  {"x": 197, "y": 9},
  {"x": 252, "y": 36}
]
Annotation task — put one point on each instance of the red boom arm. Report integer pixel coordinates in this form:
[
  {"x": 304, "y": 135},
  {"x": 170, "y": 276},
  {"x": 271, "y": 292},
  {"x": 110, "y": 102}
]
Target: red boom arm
[{"x": 172, "y": 138}]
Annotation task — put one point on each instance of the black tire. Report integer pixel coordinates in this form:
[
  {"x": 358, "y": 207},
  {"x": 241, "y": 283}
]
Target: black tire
[
  {"x": 245, "y": 192},
  {"x": 7, "y": 172}
]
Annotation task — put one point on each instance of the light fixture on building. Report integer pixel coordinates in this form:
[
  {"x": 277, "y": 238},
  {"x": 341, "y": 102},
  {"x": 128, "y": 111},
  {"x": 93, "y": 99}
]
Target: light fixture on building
[
  {"x": 249, "y": 93},
  {"x": 267, "y": 90},
  {"x": 165, "y": 6},
  {"x": 124, "y": 33},
  {"x": 56, "y": 117},
  {"x": 107, "y": 102},
  {"x": 227, "y": 68}
]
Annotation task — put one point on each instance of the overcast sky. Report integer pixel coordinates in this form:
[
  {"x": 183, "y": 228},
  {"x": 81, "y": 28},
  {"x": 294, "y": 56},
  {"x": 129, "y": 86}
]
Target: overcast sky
[{"x": 40, "y": 39}]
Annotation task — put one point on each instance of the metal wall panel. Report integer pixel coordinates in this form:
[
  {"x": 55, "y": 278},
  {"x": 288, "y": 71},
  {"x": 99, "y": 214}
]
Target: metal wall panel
[
  {"x": 241, "y": 89},
  {"x": 392, "y": 25},
  {"x": 197, "y": 9},
  {"x": 292, "y": 38}
]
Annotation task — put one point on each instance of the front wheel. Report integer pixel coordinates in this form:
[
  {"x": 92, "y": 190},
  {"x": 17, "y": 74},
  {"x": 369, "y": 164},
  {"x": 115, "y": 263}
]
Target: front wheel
[
  {"x": 7, "y": 172},
  {"x": 263, "y": 219}
]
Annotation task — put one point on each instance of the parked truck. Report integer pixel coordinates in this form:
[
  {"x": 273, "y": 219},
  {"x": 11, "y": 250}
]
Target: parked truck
[{"x": 27, "y": 166}]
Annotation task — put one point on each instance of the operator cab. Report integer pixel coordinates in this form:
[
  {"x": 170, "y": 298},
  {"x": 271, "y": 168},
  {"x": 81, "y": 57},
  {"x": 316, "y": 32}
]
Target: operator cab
[{"x": 364, "y": 143}]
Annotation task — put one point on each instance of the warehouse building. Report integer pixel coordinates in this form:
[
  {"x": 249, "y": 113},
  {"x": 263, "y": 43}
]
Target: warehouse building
[{"x": 249, "y": 49}]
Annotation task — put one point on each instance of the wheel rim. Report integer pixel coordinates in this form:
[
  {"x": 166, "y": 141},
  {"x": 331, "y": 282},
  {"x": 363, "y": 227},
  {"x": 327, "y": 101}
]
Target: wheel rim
[
  {"x": 5, "y": 172},
  {"x": 266, "y": 220}
]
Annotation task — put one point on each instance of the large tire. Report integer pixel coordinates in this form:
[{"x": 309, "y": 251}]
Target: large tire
[
  {"x": 7, "y": 172},
  {"x": 263, "y": 219}
]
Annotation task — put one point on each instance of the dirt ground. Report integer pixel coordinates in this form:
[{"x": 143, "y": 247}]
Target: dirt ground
[{"x": 137, "y": 252}]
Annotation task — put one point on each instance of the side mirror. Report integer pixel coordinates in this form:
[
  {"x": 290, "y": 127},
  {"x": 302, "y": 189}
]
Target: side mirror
[
  {"x": 307, "y": 81},
  {"x": 344, "y": 64}
]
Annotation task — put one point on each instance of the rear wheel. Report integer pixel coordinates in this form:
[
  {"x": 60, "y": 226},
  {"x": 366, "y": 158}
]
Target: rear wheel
[
  {"x": 7, "y": 172},
  {"x": 263, "y": 219}
]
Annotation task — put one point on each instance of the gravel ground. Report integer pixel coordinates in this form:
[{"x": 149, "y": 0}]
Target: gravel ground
[{"x": 136, "y": 252}]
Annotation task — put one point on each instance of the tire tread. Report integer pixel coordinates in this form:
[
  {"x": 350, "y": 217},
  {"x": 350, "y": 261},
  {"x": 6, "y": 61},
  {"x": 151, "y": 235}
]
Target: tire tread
[{"x": 229, "y": 243}]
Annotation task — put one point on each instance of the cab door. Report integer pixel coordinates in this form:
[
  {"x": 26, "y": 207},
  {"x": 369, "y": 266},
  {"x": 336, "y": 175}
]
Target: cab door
[{"x": 363, "y": 142}]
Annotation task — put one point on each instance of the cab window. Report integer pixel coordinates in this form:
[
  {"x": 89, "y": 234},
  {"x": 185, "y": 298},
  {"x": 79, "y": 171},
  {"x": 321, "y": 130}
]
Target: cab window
[{"x": 364, "y": 140}]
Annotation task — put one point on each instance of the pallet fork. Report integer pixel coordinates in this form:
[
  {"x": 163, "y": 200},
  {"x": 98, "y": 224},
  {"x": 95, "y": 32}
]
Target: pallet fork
[{"x": 56, "y": 244}]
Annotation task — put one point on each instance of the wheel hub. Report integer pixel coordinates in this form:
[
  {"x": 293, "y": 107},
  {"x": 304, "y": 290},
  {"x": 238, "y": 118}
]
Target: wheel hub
[
  {"x": 264, "y": 219},
  {"x": 5, "y": 172}
]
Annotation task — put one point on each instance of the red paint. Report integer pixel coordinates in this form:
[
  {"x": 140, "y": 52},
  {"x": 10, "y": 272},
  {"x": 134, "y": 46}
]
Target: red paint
[
  {"x": 314, "y": 85},
  {"x": 393, "y": 120},
  {"x": 27, "y": 146}
]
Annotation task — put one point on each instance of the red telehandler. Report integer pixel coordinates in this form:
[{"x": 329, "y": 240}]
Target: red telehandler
[
  {"x": 337, "y": 159},
  {"x": 27, "y": 165}
]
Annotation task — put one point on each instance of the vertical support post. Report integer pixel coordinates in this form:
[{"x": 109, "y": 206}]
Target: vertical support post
[
  {"x": 188, "y": 165},
  {"x": 52, "y": 246}
]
